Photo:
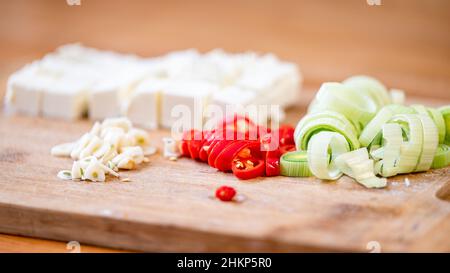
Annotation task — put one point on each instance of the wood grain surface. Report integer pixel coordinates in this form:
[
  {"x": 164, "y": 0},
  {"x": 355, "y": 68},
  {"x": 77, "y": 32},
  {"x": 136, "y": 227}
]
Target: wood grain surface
[
  {"x": 167, "y": 206},
  {"x": 403, "y": 42}
]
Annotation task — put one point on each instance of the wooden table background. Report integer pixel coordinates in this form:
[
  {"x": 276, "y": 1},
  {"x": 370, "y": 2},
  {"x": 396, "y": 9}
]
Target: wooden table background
[{"x": 405, "y": 43}]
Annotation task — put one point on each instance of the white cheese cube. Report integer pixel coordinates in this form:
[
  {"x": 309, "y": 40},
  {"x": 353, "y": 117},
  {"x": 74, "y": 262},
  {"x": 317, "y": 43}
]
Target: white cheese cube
[
  {"x": 103, "y": 100},
  {"x": 24, "y": 90},
  {"x": 175, "y": 63},
  {"x": 185, "y": 103},
  {"x": 233, "y": 95},
  {"x": 274, "y": 82},
  {"x": 65, "y": 99},
  {"x": 142, "y": 107}
]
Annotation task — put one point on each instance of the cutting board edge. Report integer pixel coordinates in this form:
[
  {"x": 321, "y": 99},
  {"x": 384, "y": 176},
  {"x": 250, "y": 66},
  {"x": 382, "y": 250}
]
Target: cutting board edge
[{"x": 147, "y": 237}]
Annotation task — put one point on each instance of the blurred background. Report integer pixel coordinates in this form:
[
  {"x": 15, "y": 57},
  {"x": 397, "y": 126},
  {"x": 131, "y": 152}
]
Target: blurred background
[{"x": 405, "y": 43}]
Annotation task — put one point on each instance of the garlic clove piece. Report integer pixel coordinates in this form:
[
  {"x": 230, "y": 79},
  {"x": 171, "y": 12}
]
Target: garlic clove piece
[
  {"x": 95, "y": 171},
  {"x": 121, "y": 122},
  {"x": 92, "y": 147},
  {"x": 64, "y": 149},
  {"x": 80, "y": 145}
]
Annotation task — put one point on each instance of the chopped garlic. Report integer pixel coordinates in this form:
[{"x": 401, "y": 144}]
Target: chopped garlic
[
  {"x": 170, "y": 148},
  {"x": 113, "y": 136},
  {"x": 149, "y": 151},
  {"x": 135, "y": 152},
  {"x": 80, "y": 145},
  {"x": 63, "y": 149},
  {"x": 93, "y": 145},
  {"x": 140, "y": 137},
  {"x": 109, "y": 146},
  {"x": 94, "y": 171},
  {"x": 65, "y": 175},
  {"x": 123, "y": 123},
  {"x": 77, "y": 170},
  {"x": 96, "y": 129},
  {"x": 123, "y": 161},
  {"x": 109, "y": 155}
]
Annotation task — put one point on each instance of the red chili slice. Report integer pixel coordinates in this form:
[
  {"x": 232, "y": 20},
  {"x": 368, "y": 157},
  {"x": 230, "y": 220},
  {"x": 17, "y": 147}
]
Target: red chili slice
[
  {"x": 248, "y": 168},
  {"x": 224, "y": 159},
  {"x": 287, "y": 148},
  {"x": 195, "y": 143},
  {"x": 216, "y": 150},
  {"x": 242, "y": 127},
  {"x": 286, "y": 135},
  {"x": 273, "y": 162},
  {"x": 184, "y": 148},
  {"x": 273, "y": 166}
]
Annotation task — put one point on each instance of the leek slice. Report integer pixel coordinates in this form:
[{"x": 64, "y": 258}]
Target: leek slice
[
  {"x": 445, "y": 111},
  {"x": 357, "y": 165},
  {"x": 372, "y": 87},
  {"x": 397, "y": 96},
  {"x": 392, "y": 140},
  {"x": 323, "y": 148},
  {"x": 442, "y": 157},
  {"x": 430, "y": 143},
  {"x": 411, "y": 148},
  {"x": 438, "y": 119},
  {"x": 325, "y": 114},
  {"x": 436, "y": 116},
  {"x": 374, "y": 127},
  {"x": 356, "y": 106},
  {"x": 315, "y": 123},
  {"x": 295, "y": 164}
]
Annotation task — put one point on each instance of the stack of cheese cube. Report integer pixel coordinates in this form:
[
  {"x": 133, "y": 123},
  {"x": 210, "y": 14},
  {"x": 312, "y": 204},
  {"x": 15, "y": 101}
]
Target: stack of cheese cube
[{"x": 75, "y": 80}]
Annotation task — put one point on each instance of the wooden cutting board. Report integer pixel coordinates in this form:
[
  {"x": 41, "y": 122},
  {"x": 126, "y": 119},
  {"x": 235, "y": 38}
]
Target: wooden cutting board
[{"x": 167, "y": 206}]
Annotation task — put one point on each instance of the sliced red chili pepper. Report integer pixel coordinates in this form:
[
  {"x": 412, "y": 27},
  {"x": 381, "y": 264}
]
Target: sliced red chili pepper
[
  {"x": 273, "y": 162},
  {"x": 269, "y": 141},
  {"x": 224, "y": 159},
  {"x": 248, "y": 168},
  {"x": 242, "y": 127},
  {"x": 286, "y": 135},
  {"x": 195, "y": 143},
  {"x": 208, "y": 139},
  {"x": 272, "y": 166},
  {"x": 216, "y": 150},
  {"x": 287, "y": 148},
  {"x": 184, "y": 148}
]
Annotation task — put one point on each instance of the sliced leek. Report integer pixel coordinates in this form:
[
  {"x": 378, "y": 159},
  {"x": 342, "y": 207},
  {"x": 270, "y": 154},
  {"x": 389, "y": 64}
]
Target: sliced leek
[
  {"x": 412, "y": 145},
  {"x": 445, "y": 111},
  {"x": 323, "y": 148},
  {"x": 397, "y": 96},
  {"x": 356, "y": 106},
  {"x": 315, "y": 123},
  {"x": 374, "y": 127},
  {"x": 442, "y": 157},
  {"x": 357, "y": 165},
  {"x": 430, "y": 143},
  {"x": 372, "y": 87},
  {"x": 436, "y": 116},
  {"x": 392, "y": 140},
  {"x": 360, "y": 112},
  {"x": 295, "y": 164}
]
